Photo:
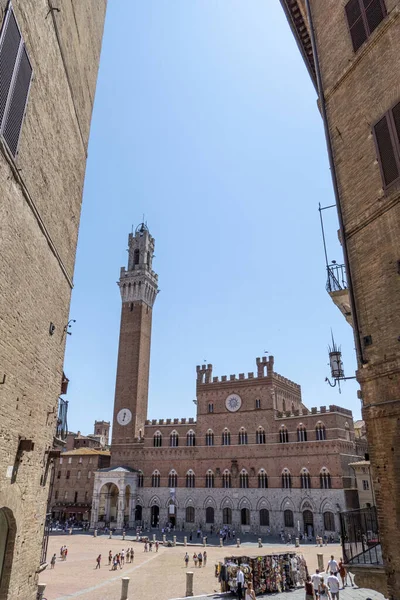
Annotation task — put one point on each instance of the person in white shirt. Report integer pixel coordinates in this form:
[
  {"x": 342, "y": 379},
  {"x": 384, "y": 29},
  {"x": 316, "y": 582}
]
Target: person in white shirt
[
  {"x": 240, "y": 583},
  {"x": 333, "y": 584},
  {"x": 332, "y": 567},
  {"x": 316, "y": 580}
]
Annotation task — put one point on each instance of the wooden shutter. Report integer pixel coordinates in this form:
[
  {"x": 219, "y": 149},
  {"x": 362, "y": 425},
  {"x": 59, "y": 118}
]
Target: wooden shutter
[
  {"x": 386, "y": 151},
  {"x": 9, "y": 45},
  {"x": 355, "y": 20},
  {"x": 18, "y": 101},
  {"x": 374, "y": 13}
]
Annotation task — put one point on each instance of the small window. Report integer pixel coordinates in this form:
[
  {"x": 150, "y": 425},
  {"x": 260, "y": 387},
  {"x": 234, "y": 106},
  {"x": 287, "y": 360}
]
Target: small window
[
  {"x": 68, "y": 474},
  {"x": 283, "y": 435},
  {"x": 76, "y": 497},
  {"x": 61, "y": 461},
  {"x": 244, "y": 480},
  {"x": 262, "y": 479},
  {"x": 227, "y": 516},
  {"x": 325, "y": 480},
  {"x": 190, "y": 438},
  {"x": 365, "y": 484},
  {"x": 136, "y": 255},
  {"x": 320, "y": 432},
  {"x": 16, "y": 76},
  {"x": 86, "y": 496},
  {"x": 155, "y": 479},
  {"x": 209, "y": 479},
  {"x": 305, "y": 480},
  {"x": 260, "y": 436},
  {"x": 69, "y": 460},
  {"x": 210, "y": 407},
  {"x": 387, "y": 140},
  {"x": 79, "y": 475},
  {"x": 245, "y": 516},
  {"x": 363, "y": 17},
  {"x": 157, "y": 439},
  {"x": 190, "y": 479},
  {"x": 286, "y": 479},
  {"x": 65, "y": 495},
  {"x": 89, "y": 475},
  {"x": 140, "y": 479},
  {"x": 173, "y": 479},
  {"x": 226, "y": 480},
  {"x": 174, "y": 440},
  {"x": 209, "y": 438},
  {"x": 56, "y": 495},
  {"x": 242, "y": 438},
  {"x": 258, "y": 403},
  {"x": 226, "y": 438},
  {"x": 80, "y": 460},
  {"x": 301, "y": 433}
]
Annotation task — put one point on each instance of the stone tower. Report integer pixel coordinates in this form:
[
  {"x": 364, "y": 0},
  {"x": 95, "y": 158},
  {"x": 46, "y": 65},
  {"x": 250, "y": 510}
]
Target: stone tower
[{"x": 139, "y": 287}]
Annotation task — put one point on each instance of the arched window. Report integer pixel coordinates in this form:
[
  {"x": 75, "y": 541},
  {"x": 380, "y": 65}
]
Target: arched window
[
  {"x": 173, "y": 479},
  {"x": 305, "y": 479},
  {"x": 157, "y": 439},
  {"x": 245, "y": 516},
  {"x": 286, "y": 479},
  {"x": 325, "y": 479},
  {"x": 227, "y": 516},
  {"x": 210, "y": 514},
  {"x": 190, "y": 438},
  {"x": 301, "y": 433},
  {"x": 210, "y": 438},
  {"x": 226, "y": 438},
  {"x": 174, "y": 439},
  {"x": 264, "y": 517},
  {"x": 136, "y": 255},
  {"x": 226, "y": 479},
  {"x": 244, "y": 479},
  {"x": 210, "y": 407},
  {"x": 283, "y": 435},
  {"x": 242, "y": 436},
  {"x": 155, "y": 479},
  {"x": 329, "y": 521},
  {"x": 262, "y": 479},
  {"x": 260, "y": 436},
  {"x": 320, "y": 431},
  {"x": 140, "y": 479},
  {"x": 189, "y": 518},
  {"x": 258, "y": 403},
  {"x": 148, "y": 259},
  {"x": 209, "y": 479},
  {"x": 190, "y": 479},
  {"x": 288, "y": 518}
]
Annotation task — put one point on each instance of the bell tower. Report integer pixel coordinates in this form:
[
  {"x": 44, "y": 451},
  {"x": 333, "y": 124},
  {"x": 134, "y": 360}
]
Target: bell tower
[{"x": 138, "y": 285}]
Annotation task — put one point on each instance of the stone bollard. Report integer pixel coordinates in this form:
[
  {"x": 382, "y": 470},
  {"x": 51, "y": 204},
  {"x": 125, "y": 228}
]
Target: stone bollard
[
  {"x": 185, "y": 541},
  {"x": 70, "y": 531},
  {"x": 189, "y": 584},
  {"x": 259, "y": 543},
  {"x": 297, "y": 542},
  {"x": 221, "y": 543},
  {"x": 204, "y": 541},
  {"x": 174, "y": 540},
  {"x": 154, "y": 537},
  {"x": 95, "y": 533},
  {"x": 320, "y": 560},
  {"x": 110, "y": 536},
  {"x": 164, "y": 538},
  {"x": 41, "y": 589},
  {"x": 123, "y": 535},
  {"x": 237, "y": 542},
  {"x": 124, "y": 589}
]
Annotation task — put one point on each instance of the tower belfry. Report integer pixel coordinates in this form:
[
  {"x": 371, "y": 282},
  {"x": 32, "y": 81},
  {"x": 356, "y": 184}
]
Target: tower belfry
[{"x": 138, "y": 285}]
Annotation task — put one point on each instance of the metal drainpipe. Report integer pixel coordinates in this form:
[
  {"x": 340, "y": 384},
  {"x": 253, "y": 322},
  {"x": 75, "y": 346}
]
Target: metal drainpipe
[{"x": 359, "y": 351}]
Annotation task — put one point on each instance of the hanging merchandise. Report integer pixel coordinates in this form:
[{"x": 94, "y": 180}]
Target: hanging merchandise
[{"x": 269, "y": 574}]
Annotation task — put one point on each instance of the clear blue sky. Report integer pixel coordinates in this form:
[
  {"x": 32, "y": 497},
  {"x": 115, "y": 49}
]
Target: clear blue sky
[{"x": 206, "y": 120}]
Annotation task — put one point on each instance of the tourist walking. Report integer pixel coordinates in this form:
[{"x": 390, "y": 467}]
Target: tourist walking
[
  {"x": 195, "y": 559},
  {"x": 53, "y": 561},
  {"x": 332, "y": 567},
  {"x": 324, "y": 591},
  {"x": 250, "y": 594},
  {"x": 334, "y": 586},
  {"x": 122, "y": 557},
  {"x": 157, "y": 546},
  {"x": 186, "y": 559},
  {"x": 240, "y": 584},
  {"x": 309, "y": 589},
  {"x": 316, "y": 580},
  {"x": 98, "y": 561},
  {"x": 110, "y": 556},
  {"x": 132, "y": 554},
  {"x": 344, "y": 573},
  {"x": 200, "y": 559},
  {"x": 204, "y": 557}
]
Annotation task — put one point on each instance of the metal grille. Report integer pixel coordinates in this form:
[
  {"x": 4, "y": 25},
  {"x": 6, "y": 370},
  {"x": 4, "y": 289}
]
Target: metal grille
[
  {"x": 360, "y": 537},
  {"x": 17, "y": 104},
  {"x": 336, "y": 278},
  {"x": 356, "y": 24},
  {"x": 374, "y": 13},
  {"x": 9, "y": 46}
]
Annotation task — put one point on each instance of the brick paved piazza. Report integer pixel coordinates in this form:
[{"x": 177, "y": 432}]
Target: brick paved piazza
[{"x": 153, "y": 576}]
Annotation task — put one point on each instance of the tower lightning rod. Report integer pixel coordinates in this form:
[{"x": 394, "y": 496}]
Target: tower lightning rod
[{"x": 320, "y": 209}]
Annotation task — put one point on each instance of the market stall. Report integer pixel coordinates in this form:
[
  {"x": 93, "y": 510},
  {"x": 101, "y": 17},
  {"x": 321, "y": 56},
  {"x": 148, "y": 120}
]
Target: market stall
[{"x": 269, "y": 574}]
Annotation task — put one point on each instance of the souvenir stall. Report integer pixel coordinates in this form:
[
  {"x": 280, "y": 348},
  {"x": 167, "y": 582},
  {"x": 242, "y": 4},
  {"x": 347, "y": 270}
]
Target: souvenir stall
[{"x": 269, "y": 574}]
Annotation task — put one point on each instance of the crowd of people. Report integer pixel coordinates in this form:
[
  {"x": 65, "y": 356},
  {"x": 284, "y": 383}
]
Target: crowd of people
[
  {"x": 318, "y": 589},
  {"x": 199, "y": 559}
]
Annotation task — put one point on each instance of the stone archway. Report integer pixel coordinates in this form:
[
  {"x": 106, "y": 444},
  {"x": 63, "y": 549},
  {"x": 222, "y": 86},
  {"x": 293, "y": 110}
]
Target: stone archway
[
  {"x": 308, "y": 523},
  {"x": 8, "y": 530}
]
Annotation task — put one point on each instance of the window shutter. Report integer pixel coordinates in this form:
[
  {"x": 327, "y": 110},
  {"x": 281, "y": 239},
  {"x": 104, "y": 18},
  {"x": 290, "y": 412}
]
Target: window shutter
[
  {"x": 387, "y": 156},
  {"x": 9, "y": 45},
  {"x": 18, "y": 101},
  {"x": 356, "y": 23},
  {"x": 374, "y": 13}
]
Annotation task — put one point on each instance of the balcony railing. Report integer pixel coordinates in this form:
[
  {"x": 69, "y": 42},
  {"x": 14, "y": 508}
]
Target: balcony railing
[
  {"x": 360, "y": 537},
  {"x": 336, "y": 278}
]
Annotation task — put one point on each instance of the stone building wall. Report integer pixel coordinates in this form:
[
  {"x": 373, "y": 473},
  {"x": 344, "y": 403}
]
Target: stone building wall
[{"x": 41, "y": 193}]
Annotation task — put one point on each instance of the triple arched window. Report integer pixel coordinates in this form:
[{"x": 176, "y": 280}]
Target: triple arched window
[
  {"x": 305, "y": 479},
  {"x": 325, "y": 479},
  {"x": 226, "y": 437},
  {"x": 320, "y": 431},
  {"x": 157, "y": 439},
  {"x": 286, "y": 479},
  {"x": 155, "y": 479},
  {"x": 209, "y": 479},
  {"x": 262, "y": 479},
  {"x": 174, "y": 439},
  {"x": 260, "y": 436},
  {"x": 190, "y": 479},
  {"x": 242, "y": 436},
  {"x": 283, "y": 435},
  {"x": 173, "y": 479},
  {"x": 190, "y": 438},
  {"x": 301, "y": 433},
  {"x": 210, "y": 438},
  {"x": 226, "y": 479},
  {"x": 244, "y": 479}
]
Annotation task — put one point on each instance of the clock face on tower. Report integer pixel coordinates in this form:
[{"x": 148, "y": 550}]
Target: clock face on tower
[
  {"x": 124, "y": 416},
  {"x": 233, "y": 402}
]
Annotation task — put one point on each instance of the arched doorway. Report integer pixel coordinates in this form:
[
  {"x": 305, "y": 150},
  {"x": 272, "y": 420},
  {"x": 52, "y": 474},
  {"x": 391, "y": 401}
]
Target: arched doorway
[
  {"x": 113, "y": 494},
  {"x": 138, "y": 512},
  {"x": 172, "y": 513},
  {"x": 155, "y": 515},
  {"x": 308, "y": 522},
  {"x": 209, "y": 514},
  {"x": 227, "y": 516},
  {"x": 7, "y": 539}
]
